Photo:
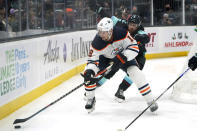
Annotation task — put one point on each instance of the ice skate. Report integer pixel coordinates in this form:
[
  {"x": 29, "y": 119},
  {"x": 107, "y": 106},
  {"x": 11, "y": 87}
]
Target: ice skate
[
  {"x": 119, "y": 96},
  {"x": 153, "y": 107},
  {"x": 90, "y": 105}
]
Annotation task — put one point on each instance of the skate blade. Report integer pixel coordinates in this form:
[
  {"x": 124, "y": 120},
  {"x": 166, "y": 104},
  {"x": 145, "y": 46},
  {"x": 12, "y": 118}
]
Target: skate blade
[
  {"x": 90, "y": 110},
  {"x": 119, "y": 100}
]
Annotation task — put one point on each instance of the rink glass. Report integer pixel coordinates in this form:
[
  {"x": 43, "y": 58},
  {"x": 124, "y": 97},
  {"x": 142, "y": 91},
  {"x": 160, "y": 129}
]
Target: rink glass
[{"x": 25, "y": 18}]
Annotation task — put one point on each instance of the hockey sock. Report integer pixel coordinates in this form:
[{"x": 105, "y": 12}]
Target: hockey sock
[
  {"x": 146, "y": 92},
  {"x": 101, "y": 81},
  {"x": 139, "y": 79},
  {"x": 90, "y": 89},
  {"x": 90, "y": 94},
  {"x": 126, "y": 82}
]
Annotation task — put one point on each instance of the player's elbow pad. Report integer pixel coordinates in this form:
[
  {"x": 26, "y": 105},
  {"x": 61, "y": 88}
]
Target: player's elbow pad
[
  {"x": 130, "y": 54},
  {"x": 146, "y": 39},
  {"x": 142, "y": 38}
]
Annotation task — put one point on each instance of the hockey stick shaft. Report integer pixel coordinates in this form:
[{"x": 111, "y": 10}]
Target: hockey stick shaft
[
  {"x": 25, "y": 119},
  {"x": 157, "y": 98}
]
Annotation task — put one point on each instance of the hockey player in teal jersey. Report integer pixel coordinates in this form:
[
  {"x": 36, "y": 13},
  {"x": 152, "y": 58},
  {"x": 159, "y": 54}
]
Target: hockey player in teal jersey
[{"x": 136, "y": 30}]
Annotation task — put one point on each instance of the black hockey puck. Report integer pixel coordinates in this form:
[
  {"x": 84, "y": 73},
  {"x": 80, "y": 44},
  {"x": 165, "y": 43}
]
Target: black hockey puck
[{"x": 17, "y": 127}]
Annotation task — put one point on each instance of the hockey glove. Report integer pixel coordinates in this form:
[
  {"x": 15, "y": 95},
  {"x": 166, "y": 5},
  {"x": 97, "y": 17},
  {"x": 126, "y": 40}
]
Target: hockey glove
[
  {"x": 89, "y": 78},
  {"x": 192, "y": 64},
  {"x": 119, "y": 60},
  {"x": 103, "y": 12}
]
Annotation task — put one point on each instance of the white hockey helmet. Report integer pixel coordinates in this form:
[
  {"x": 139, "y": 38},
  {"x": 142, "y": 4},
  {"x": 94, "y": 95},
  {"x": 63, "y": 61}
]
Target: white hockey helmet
[{"x": 106, "y": 24}]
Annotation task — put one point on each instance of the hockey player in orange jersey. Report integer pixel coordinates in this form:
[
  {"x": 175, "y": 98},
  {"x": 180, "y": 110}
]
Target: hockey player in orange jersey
[{"x": 117, "y": 46}]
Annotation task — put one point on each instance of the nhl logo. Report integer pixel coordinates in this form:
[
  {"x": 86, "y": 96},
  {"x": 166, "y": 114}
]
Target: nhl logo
[{"x": 180, "y": 35}]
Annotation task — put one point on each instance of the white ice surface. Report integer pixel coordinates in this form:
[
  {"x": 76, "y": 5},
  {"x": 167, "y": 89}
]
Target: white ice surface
[{"x": 69, "y": 113}]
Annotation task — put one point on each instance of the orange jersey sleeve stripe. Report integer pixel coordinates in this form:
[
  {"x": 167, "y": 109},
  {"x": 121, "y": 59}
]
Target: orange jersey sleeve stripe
[
  {"x": 134, "y": 47},
  {"x": 121, "y": 60}
]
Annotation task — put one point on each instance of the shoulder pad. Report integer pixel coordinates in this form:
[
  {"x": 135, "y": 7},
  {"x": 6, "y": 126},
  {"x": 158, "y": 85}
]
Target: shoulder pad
[
  {"x": 98, "y": 43},
  {"x": 119, "y": 33}
]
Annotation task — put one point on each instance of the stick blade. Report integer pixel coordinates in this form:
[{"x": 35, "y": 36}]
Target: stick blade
[{"x": 19, "y": 121}]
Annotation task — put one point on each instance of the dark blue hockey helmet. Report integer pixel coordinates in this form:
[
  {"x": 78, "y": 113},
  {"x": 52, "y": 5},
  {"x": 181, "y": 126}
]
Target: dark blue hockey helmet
[{"x": 134, "y": 19}]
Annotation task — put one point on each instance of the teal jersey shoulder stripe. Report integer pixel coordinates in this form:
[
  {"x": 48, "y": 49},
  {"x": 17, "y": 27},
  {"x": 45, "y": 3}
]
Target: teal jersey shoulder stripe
[
  {"x": 116, "y": 20},
  {"x": 141, "y": 32}
]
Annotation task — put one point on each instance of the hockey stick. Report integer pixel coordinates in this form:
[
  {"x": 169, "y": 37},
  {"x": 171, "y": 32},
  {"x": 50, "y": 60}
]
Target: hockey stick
[
  {"x": 17, "y": 121},
  {"x": 25, "y": 119},
  {"x": 155, "y": 100}
]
